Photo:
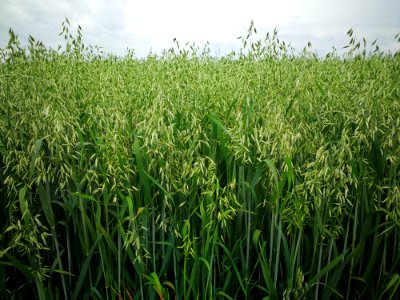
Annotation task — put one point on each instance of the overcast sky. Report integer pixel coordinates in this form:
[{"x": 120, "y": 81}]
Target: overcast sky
[{"x": 143, "y": 25}]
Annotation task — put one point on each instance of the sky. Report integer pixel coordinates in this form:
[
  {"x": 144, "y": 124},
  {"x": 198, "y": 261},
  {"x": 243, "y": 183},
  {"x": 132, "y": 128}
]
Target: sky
[{"x": 116, "y": 25}]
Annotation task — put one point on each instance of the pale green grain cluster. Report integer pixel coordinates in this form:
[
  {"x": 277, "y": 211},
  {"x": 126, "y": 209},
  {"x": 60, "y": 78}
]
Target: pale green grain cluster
[{"x": 264, "y": 174}]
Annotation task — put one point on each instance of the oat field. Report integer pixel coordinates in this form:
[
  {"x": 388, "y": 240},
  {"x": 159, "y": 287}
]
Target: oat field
[{"x": 262, "y": 174}]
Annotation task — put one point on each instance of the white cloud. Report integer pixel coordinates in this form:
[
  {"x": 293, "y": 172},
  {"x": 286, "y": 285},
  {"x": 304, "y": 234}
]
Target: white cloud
[{"x": 142, "y": 25}]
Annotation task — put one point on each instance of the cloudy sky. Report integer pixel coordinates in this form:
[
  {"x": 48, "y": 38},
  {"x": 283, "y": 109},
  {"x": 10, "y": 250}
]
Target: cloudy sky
[{"x": 143, "y": 25}]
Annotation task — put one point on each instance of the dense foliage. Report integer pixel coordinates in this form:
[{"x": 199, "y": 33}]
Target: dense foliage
[{"x": 262, "y": 174}]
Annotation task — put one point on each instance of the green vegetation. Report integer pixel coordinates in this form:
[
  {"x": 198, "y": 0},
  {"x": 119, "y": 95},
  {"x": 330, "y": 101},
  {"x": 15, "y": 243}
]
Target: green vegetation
[{"x": 263, "y": 174}]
